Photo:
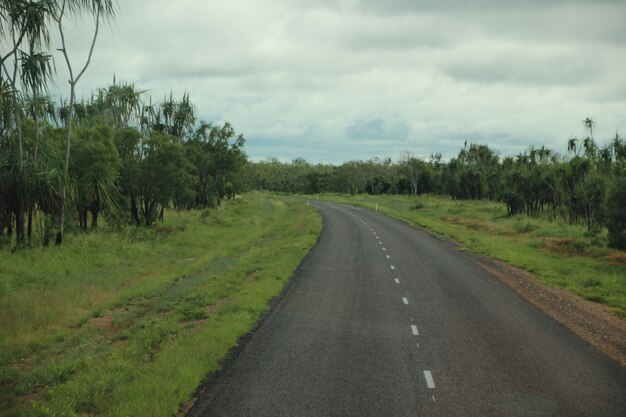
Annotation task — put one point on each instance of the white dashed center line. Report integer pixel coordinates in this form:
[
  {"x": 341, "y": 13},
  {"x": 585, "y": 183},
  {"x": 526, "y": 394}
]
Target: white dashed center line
[
  {"x": 384, "y": 248},
  {"x": 393, "y": 267},
  {"x": 430, "y": 383},
  {"x": 397, "y": 280},
  {"x": 404, "y": 300},
  {"x": 388, "y": 257},
  {"x": 414, "y": 330}
]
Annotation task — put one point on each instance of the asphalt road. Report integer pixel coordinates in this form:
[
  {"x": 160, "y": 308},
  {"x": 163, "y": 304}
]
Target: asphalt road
[{"x": 385, "y": 320}]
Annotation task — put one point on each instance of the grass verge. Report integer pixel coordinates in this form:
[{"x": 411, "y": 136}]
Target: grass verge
[
  {"x": 129, "y": 323},
  {"x": 561, "y": 255}
]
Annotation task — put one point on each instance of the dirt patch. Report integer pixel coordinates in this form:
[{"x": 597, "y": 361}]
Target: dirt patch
[
  {"x": 567, "y": 246},
  {"x": 591, "y": 321},
  {"x": 104, "y": 322},
  {"x": 33, "y": 396},
  {"x": 617, "y": 259},
  {"x": 187, "y": 407},
  {"x": 163, "y": 229},
  {"x": 217, "y": 306}
]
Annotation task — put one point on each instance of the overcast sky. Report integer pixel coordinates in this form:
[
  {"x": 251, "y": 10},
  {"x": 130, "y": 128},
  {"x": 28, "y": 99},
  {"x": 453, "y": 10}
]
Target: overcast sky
[{"x": 333, "y": 81}]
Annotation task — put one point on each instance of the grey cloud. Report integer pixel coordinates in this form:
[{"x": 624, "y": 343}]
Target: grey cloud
[
  {"x": 540, "y": 71},
  {"x": 401, "y": 34},
  {"x": 376, "y": 129},
  {"x": 211, "y": 72},
  {"x": 452, "y": 6}
]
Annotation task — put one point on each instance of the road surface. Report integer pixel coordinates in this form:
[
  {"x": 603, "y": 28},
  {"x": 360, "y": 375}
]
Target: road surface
[{"x": 385, "y": 320}]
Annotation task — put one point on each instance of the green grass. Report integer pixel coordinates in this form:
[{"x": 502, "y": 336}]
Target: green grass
[
  {"x": 561, "y": 255},
  {"x": 129, "y": 323}
]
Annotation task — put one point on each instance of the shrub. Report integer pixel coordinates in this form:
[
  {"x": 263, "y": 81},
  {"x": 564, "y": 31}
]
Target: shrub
[{"x": 616, "y": 215}]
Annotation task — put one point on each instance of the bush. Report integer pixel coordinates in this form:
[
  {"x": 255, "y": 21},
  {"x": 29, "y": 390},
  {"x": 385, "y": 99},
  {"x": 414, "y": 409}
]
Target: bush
[{"x": 616, "y": 215}]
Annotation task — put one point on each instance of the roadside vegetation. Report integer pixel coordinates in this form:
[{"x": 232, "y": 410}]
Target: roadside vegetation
[
  {"x": 560, "y": 254},
  {"x": 68, "y": 163},
  {"x": 129, "y": 322},
  {"x": 585, "y": 186}
]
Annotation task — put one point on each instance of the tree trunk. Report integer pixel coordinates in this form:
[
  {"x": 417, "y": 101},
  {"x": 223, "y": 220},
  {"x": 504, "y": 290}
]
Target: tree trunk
[
  {"x": 59, "y": 220},
  {"x": 95, "y": 209},
  {"x": 134, "y": 211},
  {"x": 150, "y": 212},
  {"x": 30, "y": 225},
  {"x": 36, "y": 114},
  {"x": 19, "y": 222},
  {"x": 82, "y": 218},
  {"x": 47, "y": 233},
  {"x": 66, "y": 165}
]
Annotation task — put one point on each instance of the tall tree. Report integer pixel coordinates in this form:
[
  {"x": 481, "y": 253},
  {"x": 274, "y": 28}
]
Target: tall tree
[{"x": 100, "y": 10}]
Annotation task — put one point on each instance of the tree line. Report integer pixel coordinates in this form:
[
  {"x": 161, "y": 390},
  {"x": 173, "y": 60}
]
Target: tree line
[
  {"x": 116, "y": 153},
  {"x": 587, "y": 185}
]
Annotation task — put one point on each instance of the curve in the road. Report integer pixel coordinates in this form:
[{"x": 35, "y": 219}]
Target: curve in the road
[{"x": 385, "y": 320}]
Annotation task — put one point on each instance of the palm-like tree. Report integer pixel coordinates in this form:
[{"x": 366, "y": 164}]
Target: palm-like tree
[
  {"x": 36, "y": 70},
  {"x": 589, "y": 124},
  {"x": 20, "y": 21},
  {"x": 123, "y": 103},
  {"x": 572, "y": 145}
]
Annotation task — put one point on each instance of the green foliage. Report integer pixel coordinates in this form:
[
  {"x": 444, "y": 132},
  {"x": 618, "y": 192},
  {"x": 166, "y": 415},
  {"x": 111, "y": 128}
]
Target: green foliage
[
  {"x": 217, "y": 155},
  {"x": 616, "y": 215},
  {"x": 94, "y": 166},
  {"x": 164, "y": 174}
]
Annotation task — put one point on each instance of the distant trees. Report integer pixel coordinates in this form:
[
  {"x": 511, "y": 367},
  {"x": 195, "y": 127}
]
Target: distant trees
[
  {"x": 586, "y": 186},
  {"x": 415, "y": 170}
]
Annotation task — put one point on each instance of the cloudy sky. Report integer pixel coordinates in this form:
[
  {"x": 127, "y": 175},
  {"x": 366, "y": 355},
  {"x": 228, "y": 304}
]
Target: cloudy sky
[{"x": 340, "y": 80}]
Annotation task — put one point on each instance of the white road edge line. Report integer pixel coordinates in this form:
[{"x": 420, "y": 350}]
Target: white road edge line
[
  {"x": 430, "y": 383},
  {"x": 404, "y": 300},
  {"x": 414, "y": 330}
]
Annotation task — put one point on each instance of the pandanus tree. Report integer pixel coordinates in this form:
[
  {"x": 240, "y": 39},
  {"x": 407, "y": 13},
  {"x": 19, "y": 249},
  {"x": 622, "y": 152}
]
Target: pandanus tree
[
  {"x": 122, "y": 103},
  {"x": 36, "y": 72},
  {"x": 21, "y": 22},
  {"x": 176, "y": 118}
]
